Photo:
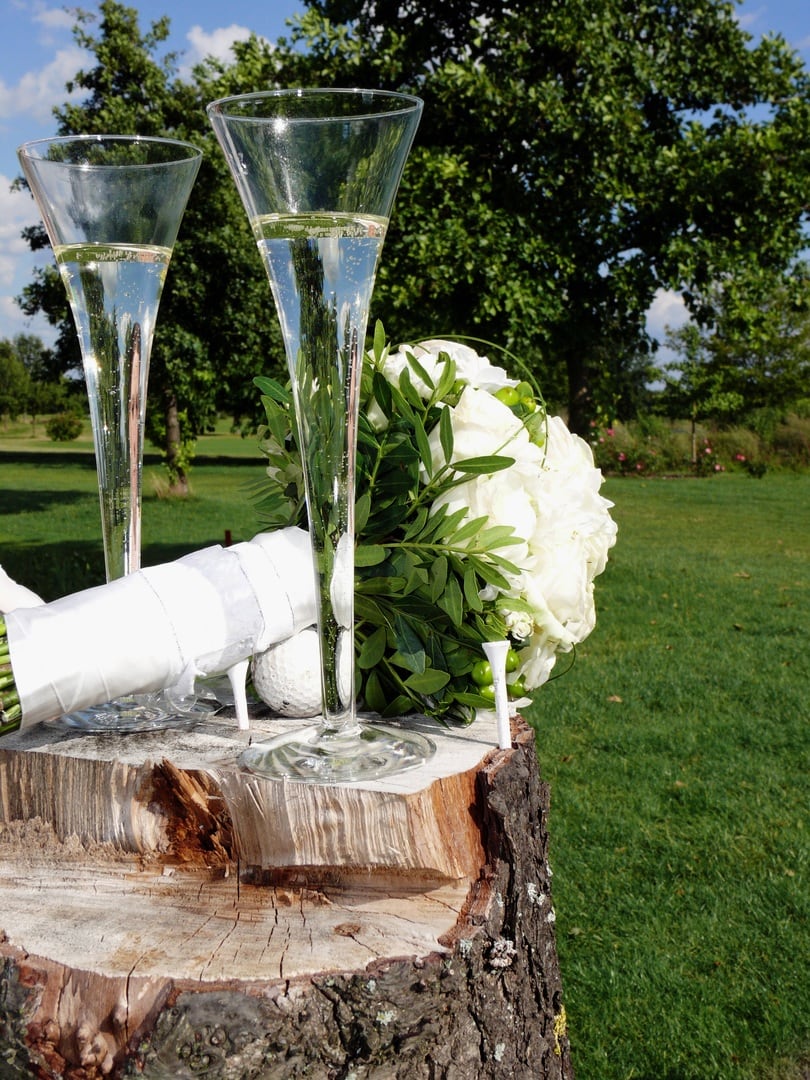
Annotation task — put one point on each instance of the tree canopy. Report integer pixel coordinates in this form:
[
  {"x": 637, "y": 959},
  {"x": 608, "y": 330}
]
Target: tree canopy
[
  {"x": 572, "y": 160},
  {"x": 754, "y": 357}
]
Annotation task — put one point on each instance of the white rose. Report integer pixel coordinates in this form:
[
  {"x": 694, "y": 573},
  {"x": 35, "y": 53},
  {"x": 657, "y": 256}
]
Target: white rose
[
  {"x": 482, "y": 425},
  {"x": 519, "y": 624},
  {"x": 567, "y": 549},
  {"x": 475, "y": 370}
]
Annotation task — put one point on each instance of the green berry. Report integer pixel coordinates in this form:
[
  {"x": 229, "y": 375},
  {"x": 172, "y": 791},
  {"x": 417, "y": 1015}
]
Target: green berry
[
  {"x": 482, "y": 673},
  {"x": 516, "y": 689},
  {"x": 512, "y": 660},
  {"x": 508, "y": 395}
]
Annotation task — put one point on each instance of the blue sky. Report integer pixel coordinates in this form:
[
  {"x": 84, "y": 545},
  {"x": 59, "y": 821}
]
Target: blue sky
[{"x": 38, "y": 55}]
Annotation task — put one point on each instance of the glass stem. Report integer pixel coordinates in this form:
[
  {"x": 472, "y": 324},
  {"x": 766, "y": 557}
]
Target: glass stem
[{"x": 327, "y": 422}]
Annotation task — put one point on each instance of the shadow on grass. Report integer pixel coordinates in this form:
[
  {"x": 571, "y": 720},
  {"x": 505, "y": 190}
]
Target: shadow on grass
[
  {"x": 156, "y": 553},
  {"x": 53, "y": 570},
  {"x": 85, "y": 458},
  {"x": 48, "y": 458},
  {"x": 30, "y": 502},
  {"x": 68, "y": 566},
  {"x": 202, "y": 460}
]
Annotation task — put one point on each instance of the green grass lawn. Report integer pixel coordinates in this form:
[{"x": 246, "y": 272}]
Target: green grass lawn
[
  {"x": 677, "y": 750},
  {"x": 49, "y": 512}
]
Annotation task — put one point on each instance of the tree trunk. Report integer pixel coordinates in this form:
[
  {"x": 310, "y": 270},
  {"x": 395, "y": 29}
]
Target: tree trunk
[
  {"x": 580, "y": 396},
  {"x": 167, "y": 915},
  {"x": 174, "y": 443}
]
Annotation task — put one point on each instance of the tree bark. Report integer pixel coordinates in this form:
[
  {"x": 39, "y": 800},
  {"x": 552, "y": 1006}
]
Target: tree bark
[
  {"x": 177, "y": 474},
  {"x": 164, "y": 915}
]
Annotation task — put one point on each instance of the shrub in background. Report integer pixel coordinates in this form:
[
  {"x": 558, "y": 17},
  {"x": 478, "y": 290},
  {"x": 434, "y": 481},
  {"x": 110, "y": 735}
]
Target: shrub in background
[
  {"x": 791, "y": 442},
  {"x": 654, "y": 446},
  {"x": 64, "y": 427}
]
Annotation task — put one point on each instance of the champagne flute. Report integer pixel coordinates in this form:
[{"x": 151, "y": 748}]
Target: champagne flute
[
  {"x": 317, "y": 171},
  {"x": 112, "y": 206}
]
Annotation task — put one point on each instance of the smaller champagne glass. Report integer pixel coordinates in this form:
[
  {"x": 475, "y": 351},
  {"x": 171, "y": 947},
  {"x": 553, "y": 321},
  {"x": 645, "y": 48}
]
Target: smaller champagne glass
[{"x": 112, "y": 206}]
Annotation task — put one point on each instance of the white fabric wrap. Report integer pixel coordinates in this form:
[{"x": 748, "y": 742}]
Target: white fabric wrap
[
  {"x": 163, "y": 626},
  {"x": 13, "y": 595}
]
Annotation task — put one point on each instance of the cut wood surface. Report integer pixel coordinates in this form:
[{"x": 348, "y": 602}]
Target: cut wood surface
[{"x": 164, "y": 914}]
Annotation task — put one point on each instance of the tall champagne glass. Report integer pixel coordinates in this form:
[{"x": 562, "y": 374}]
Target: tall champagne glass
[
  {"x": 112, "y": 206},
  {"x": 317, "y": 171}
]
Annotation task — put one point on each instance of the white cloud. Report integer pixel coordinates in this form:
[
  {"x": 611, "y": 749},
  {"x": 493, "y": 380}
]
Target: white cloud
[
  {"x": 667, "y": 312},
  {"x": 55, "y": 21},
  {"x": 17, "y": 210},
  {"x": 747, "y": 19},
  {"x": 14, "y": 321},
  {"x": 218, "y": 43},
  {"x": 37, "y": 92}
]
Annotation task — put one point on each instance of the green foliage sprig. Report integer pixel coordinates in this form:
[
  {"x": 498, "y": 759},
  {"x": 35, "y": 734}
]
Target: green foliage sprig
[
  {"x": 420, "y": 619},
  {"x": 10, "y": 709}
]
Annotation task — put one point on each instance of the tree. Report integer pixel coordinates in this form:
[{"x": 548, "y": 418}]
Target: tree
[
  {"x": 573, "y": 159},
  {"x": 37, "y": 359},
  {"x": 14, "y": 381},
  {"x": 754, "y": 357},
  {"x": 215, "y": 329}
]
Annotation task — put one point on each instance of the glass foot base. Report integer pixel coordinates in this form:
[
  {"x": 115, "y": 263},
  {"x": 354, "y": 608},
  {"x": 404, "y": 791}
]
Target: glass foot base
[
  {"x": 367, "y": 752},
  {"x": 140, "y": 712}
]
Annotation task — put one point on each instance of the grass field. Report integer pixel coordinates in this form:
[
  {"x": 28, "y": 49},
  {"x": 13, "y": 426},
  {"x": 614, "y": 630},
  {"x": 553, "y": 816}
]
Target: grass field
[
  {"x": 49, "y": 512},
  {"x": 677, "y": 750}
]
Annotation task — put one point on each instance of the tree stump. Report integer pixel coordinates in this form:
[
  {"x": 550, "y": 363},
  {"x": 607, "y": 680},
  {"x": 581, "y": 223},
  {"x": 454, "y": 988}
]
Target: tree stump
[{"x": 164, "y": 914}]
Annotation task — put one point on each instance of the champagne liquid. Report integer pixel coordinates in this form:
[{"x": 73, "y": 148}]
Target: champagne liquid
[
  {"x": 114, "y": 293},
  {"x": 321, "y": 269}
]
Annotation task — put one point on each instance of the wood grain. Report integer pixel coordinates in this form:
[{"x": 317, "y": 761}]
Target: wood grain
[{"x": 167, "y": 916}]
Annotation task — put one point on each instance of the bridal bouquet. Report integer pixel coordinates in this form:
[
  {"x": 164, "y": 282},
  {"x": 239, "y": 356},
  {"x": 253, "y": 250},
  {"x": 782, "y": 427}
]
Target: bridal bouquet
[{"x": 478, "y": 518}]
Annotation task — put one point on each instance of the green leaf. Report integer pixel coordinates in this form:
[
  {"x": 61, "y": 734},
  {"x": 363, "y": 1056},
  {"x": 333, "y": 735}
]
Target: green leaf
[
  {"x": 446, "y": 435},
  {"x": 446, "y": 381},
  {"x": 498, "y": 536},
  {"x": 475, "y": 700},
  {"x": 400, "y": 706},
  {"x": 419, "y": 369},
  {"x": 418, "y": 524},
  {"x": 471, "y": 590},
  {"x": 409, "y": 391},
  {"x": 362, "y": 508},
  {"x": 273, "y": 389},
  {"x": 370, "y": 555},
  {"x": 372, "y": 649},
  {"x": 382, "y": 394},
  {"x": 428, "y": 682},
  {"x": 423, "y": 444},
  {"x": 375, "y": 696},
  {"x": 490, "y": 575},
  {"x": 480, "y": 466},
  {"x": 400, "y": 404},
  {"x": 378, "y": 585},
  {"x": 438, "y": 577},
  {"x": 410, "y": 653},
  {"x": 379, "y": 339},
  {"x": 445, "y": 524},
  {"x": 469, "y": 529},
  {"x": 452, "y": 601}
]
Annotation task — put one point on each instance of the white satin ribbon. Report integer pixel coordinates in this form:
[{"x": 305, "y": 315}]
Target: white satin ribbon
[{"x": 161, "y": 627}]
